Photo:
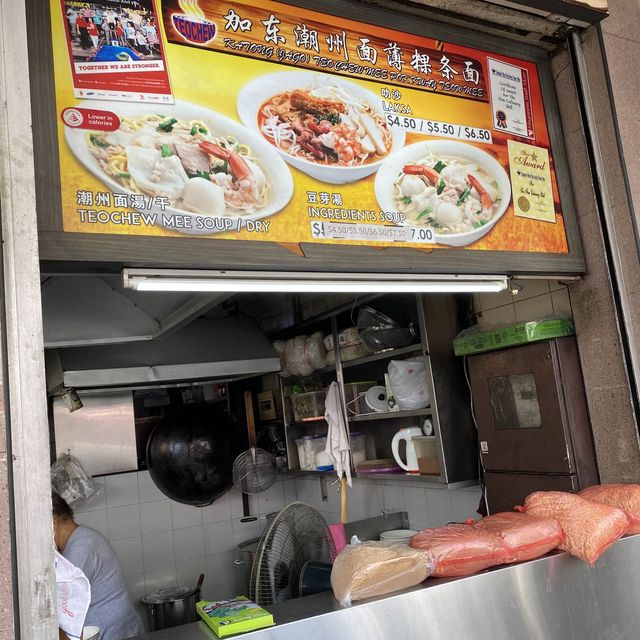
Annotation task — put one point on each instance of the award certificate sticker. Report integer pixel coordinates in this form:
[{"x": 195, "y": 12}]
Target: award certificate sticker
[{"x": 531, "y": 182}]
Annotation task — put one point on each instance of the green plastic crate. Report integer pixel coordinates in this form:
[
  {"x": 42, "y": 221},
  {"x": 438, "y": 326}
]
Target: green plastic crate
[{"x": 513, "y": 335}]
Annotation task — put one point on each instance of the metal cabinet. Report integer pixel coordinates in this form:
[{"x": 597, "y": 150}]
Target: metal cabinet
[{"x": 437, "y": 319}]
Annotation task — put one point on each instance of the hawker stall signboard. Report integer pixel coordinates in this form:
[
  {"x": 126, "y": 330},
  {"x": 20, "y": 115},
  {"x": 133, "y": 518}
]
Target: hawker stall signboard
[{"x": 256, "y": 120}]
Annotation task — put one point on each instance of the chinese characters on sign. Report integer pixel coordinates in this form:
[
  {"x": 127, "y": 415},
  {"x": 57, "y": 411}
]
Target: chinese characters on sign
[
  {"x": 314, "y": 45},
  {"x": 291, "y": 126}
]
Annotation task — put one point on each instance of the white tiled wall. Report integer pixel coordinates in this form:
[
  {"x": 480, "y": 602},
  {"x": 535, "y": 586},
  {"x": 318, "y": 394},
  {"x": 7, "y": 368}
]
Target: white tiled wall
[
  {"x": 426, "y": 505},
  {"x": 162, "y": 543},
  {"x": 538, "y": 298}
]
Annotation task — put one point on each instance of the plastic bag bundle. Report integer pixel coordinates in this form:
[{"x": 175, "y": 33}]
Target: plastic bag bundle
[
  {"x": 408, "y": 380},
  {"x": 460, "y": 549},
  {"x": 377, "y": 569},
  {"x": 590, "y": 528},
  {"x": 70, "y": 481},
  {"x": 524, "y": 537},
  {"x": 315, "y": 352},
  {"x": 622, "y": 496},
  {"x": 302, "y": 355}
]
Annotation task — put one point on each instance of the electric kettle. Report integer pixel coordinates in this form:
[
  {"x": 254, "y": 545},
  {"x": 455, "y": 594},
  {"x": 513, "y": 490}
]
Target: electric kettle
[{"x": 407, "y": 434}]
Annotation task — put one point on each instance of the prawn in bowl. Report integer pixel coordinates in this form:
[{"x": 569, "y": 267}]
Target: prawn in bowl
[{"x": 456, "y": 189}]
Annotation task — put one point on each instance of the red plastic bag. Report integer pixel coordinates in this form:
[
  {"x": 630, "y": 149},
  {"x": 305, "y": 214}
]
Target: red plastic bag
[
  {"x": 590, "y": 528},
  {"x": 460, "y": 549},
  {"x": 524, "y": 537},
  {"x": 622, "y": 496}
]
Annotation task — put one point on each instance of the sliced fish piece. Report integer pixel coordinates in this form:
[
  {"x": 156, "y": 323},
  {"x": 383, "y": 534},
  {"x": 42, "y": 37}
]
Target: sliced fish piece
[
  {"x": 154, "y": 174},
  {"x": 192, "y": 158},
  {"x": 374, "y": 132}
]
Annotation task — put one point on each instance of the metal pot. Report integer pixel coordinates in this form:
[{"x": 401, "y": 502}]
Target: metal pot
[
  {"x": 171, "y": 606},
  {"x": 244, "y": 556}
]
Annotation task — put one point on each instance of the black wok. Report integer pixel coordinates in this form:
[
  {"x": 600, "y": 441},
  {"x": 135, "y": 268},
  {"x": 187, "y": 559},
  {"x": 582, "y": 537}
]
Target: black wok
[{"x": 190, "y": 453}]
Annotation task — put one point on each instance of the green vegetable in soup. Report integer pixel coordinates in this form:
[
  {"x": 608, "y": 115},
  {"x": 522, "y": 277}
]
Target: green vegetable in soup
[
  {"x": 98, "y": 141},
  {"x": 439, "y": 166},
  {"x": 463, "y": 196},
  {"x": 167, "y": 125}
]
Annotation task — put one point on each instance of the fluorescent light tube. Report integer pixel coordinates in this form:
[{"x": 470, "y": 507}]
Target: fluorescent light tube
[{"x": 311, "y": 282}]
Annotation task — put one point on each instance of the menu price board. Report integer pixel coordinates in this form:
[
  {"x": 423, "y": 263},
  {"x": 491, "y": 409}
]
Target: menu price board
[{"x": 277, "y": 123}]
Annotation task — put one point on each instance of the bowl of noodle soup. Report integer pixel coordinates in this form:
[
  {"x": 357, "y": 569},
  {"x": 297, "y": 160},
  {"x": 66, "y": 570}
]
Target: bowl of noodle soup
[
  {"x": 458, "y": 190},
  {"x": 185, "y": 160},
  {"x": 329, "y": 128}
]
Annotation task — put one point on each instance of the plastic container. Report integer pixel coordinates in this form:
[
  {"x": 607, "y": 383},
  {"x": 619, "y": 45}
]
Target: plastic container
[
  {"x": 308, "y": 406},
  {"x": 358, "y": 447},
  {"x": 306, "y": 452},
  {"x": 324, "y": 461},
  {"x": 426, "y": 454},
  {"x": 351, "y": 346},
  {"x": 379, "y": 332},
  {"x": 398, "y": 536},
  {"x": 313, "y": 445},
  {"x": 354, "y": 393},
  {"x": 308, "y": 448},
  {"x": 302, "y": 456}
]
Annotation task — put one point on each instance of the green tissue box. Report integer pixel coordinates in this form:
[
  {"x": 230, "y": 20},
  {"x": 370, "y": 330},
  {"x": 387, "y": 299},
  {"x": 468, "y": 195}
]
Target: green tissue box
[
  {"x": 512, "y": 335},
  {"x": 239, "y": 615}
]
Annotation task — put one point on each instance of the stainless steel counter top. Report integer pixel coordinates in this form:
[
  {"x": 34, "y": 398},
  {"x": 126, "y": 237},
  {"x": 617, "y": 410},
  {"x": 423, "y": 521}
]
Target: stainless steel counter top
[{"x": 553, "y": 598}]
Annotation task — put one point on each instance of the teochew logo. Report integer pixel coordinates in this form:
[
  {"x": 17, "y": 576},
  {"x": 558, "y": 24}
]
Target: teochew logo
[{"x": 192, "y": 24}]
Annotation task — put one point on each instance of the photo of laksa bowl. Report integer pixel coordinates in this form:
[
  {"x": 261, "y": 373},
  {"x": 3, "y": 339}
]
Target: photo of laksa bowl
[{"x": 329, "y": 128}]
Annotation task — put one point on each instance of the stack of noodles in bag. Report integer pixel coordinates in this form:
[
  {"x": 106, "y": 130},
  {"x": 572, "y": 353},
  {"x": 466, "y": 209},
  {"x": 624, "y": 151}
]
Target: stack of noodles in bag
[
  {"x": 583, "y": 525},
  {"x": 621, "y": 496},
  {"x": 503, "y": 538},
  {"x": 589, "y": 527}
]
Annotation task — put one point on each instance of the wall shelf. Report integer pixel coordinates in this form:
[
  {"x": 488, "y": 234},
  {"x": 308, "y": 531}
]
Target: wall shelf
[
  {"x": 384, "y": 355},
  {"x": 390, "y": 415},
  {"x": 438, "y": 318}
]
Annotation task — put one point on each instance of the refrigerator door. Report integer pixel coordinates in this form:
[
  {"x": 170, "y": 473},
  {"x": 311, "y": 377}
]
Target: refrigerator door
[
  {"x": 526, "y": 419},
  {"x": 507, "y": 490}
]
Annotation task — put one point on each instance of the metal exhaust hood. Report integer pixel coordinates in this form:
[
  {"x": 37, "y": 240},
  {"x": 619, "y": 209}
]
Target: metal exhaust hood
[{"x": 206, "y": 349}]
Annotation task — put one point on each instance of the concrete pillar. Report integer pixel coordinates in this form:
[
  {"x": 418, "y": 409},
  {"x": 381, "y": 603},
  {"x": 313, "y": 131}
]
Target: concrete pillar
[
  {"x": 25, "y": 384},
  {"x": 593, "y": 299},
  {"x": 7, "y": 631}
]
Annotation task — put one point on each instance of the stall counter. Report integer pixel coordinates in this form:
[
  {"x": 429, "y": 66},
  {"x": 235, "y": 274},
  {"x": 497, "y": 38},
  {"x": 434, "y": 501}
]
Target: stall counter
[{"x": 555, "y": 597}]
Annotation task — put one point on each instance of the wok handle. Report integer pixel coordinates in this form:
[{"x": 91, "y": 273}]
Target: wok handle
[
  {"x": 343, "y": 499},
  {"x": 251, "y": 423}
]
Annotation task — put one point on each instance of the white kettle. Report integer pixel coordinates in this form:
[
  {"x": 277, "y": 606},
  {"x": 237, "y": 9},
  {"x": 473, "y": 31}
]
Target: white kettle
[{"x": 407, "y": 434}]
